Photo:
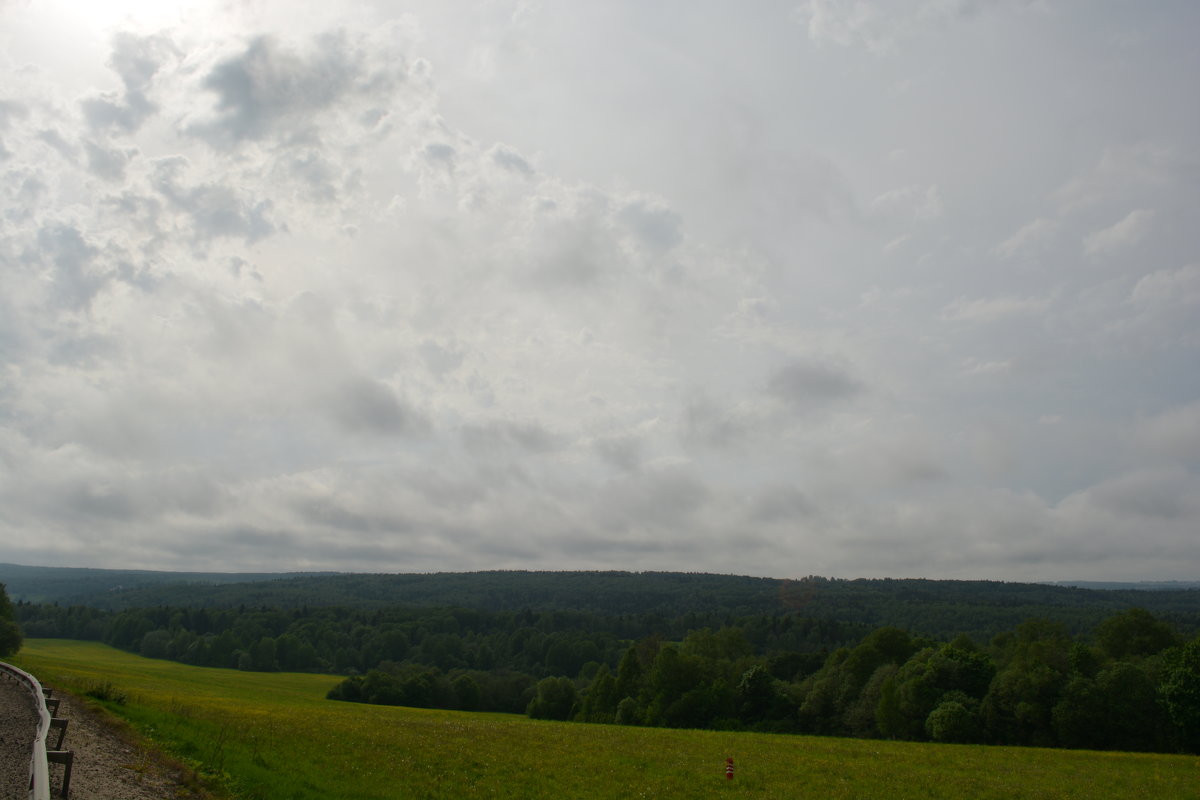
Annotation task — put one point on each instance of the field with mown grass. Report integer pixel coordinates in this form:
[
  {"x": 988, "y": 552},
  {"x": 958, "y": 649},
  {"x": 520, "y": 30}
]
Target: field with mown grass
[{"x": 274, "y": 735}]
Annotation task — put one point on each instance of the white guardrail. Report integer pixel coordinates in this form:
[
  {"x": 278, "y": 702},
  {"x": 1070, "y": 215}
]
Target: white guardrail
[{"x": 39, "y": 771}]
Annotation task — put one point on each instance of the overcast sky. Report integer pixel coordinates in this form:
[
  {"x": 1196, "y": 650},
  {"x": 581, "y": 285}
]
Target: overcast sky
[{"x": 848, "y": 288}]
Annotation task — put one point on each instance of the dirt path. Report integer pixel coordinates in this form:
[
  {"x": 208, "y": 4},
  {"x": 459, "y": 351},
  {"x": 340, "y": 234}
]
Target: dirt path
[{"x": 110, "y": 764}]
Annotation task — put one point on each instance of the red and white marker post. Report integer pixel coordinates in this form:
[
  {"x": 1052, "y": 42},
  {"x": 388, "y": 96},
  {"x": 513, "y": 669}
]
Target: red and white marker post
[{"x": 729, "y": 768}]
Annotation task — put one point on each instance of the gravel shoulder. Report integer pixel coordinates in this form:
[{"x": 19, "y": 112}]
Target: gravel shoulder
[
  {"x": 18, "y": 726},
  {"x": 111, "y": 763}
]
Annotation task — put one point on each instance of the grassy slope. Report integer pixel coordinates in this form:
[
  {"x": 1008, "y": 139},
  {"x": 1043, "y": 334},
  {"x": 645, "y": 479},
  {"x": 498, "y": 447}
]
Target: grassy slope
[{"x": 277, "y": 737}]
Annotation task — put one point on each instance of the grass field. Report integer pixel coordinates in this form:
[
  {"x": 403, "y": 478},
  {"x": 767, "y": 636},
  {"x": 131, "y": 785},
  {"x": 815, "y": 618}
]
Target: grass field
[{"x": 275, "y": 736}]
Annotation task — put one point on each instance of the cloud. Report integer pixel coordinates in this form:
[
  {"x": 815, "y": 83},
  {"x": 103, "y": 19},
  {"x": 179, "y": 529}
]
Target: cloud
[
  {"x": 72, "y": 261},
  {"x": 1028, "y": 238},
  {"x": 665, "y": 499},
  {"x": 106, "y": 163},
  {"x": 880, "y": 26},
  {"x": 270, "y": 90},
  {"x": 136, "y": 59},
  {"x": 299, "y": 287},
  {"x": 918, "y": 202},
  {"x": 1172, "y": 434},
  {"x": 212, "y": 210},
  {"x": 809, "y": 384},
  {"x": 505, "y": 435},
  {"x": 1166, "y": 288},
  {"x": 655, "y": 226},
  {"x": 989, "y": 310},
  {"x": 1127, "y": 232},
  {"x": 1163, "y": 498},
  {"x": 363, "y": 405},
  {"x": 977, "y": 366},
  {"x": 442, "y": 358},
  {"x": 1122, "y": 171},
  {"x": 781, "y": 503},
  {"x": 707, "y": 423},
  {"x": 622, "y": 452},
  {"x": 510, "y": 159}
]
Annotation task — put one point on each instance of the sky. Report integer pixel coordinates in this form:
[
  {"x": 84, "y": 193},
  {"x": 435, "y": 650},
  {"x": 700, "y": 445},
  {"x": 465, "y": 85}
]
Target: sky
[{"x": 851, "y": 288}]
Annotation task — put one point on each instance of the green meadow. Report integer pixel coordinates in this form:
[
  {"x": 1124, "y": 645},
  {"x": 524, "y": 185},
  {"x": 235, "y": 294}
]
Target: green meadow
[{"x": 274, "y": 735}]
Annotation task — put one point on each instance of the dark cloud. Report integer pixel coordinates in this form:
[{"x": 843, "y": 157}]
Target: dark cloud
[
  {"x": 136, "y": 59},
  {"x": 58, "y": 143},
  {"x": 511, "y": 160},
  {"x": 658, "y": 229},
  {"x": 27, "y": 199},
  {"x": 666, "y": 499},
  {"x": 440, "y": 153},
  {"x": 363, "y": 405},
  {"x": 108, "y": 111},
  {"x": 329, "y": 512},
  {"x": 575, "y": 254},
  {"x": 271, "y": 90},
  {"x": 140, "y": 214},
  {"x": 11, "y": 110},
  {"x": 105, "y": 162},
  {"x": 708, "y": 424},
  {"x": 320, "y": 177},
  {"x": 90, "y": 501},
  {"x": 501, "y": 435},
  {"x": 441, "y": 359},
  {"x": 214, "y": 210},
  {"x": 622, "y": 452},
  {"x": 809, "y": 384},
  {"x": 252, "y": 543},
  {"x": 76, "y": 280},
  {"x": 780, "y": 504},
  {"x": 1162, "y": 494}
]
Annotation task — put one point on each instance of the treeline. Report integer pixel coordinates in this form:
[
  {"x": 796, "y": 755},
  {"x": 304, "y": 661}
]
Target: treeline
[
  {"x": 1134, "y": 686},
  {"x": 1132, "y": 682},
  {"x": 354, "y": 641},
  {"x": 10, "y": 633},
  {"x": 942, "y": 609}
]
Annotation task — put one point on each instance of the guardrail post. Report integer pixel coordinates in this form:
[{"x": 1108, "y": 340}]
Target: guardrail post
[{"x": 67, "y": 759}]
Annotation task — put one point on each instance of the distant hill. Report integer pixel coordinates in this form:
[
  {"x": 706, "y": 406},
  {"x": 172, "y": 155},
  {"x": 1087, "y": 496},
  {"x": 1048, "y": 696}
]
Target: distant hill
[
  {"x": 1141, "y": 586},
  {"x": 940, "y": 608},
  {"x": 84, "y": 585}
]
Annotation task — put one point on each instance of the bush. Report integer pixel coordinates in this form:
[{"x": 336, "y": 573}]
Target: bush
[
  {"x": 10, "y": 638},
  {"x": 952, "y": 721},
  {"x": 106, "y": 692}
]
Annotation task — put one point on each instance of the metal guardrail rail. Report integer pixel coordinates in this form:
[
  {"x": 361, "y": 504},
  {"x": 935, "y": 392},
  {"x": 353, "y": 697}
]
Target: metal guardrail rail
[{"x": 39, "y": 770}]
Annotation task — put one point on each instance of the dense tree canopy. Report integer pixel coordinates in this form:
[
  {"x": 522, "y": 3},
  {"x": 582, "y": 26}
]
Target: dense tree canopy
[
  {"x": 1127, "y": 683},
  {"x": 10, "y": 633}
]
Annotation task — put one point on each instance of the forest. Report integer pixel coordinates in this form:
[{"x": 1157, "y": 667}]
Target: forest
[
  {"x": 940, "y": 608},
  {"x": 1129, "y": 682}
]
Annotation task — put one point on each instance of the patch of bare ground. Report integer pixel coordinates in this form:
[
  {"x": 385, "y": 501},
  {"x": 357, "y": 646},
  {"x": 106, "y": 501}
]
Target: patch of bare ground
[{"x": 113, "y": 763}]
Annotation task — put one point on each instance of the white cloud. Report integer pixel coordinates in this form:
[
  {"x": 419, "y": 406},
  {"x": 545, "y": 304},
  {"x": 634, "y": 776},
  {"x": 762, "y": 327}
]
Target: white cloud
[
  {"x": 881, "y": 26},
  {"x": 1029, "y": 237},
  {"x": 1126, "y": 232},
  {"x": 986, "y": 310},
  {"x": 1166, "y": 288},
  {"x": 917, "y": 202},
  {"x": 1121, "y": 171}
]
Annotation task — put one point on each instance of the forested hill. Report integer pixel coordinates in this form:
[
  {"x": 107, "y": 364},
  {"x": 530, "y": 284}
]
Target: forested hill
[
  {"x": 87, "y": 586},
  {"x": 930, "y": 607}
]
